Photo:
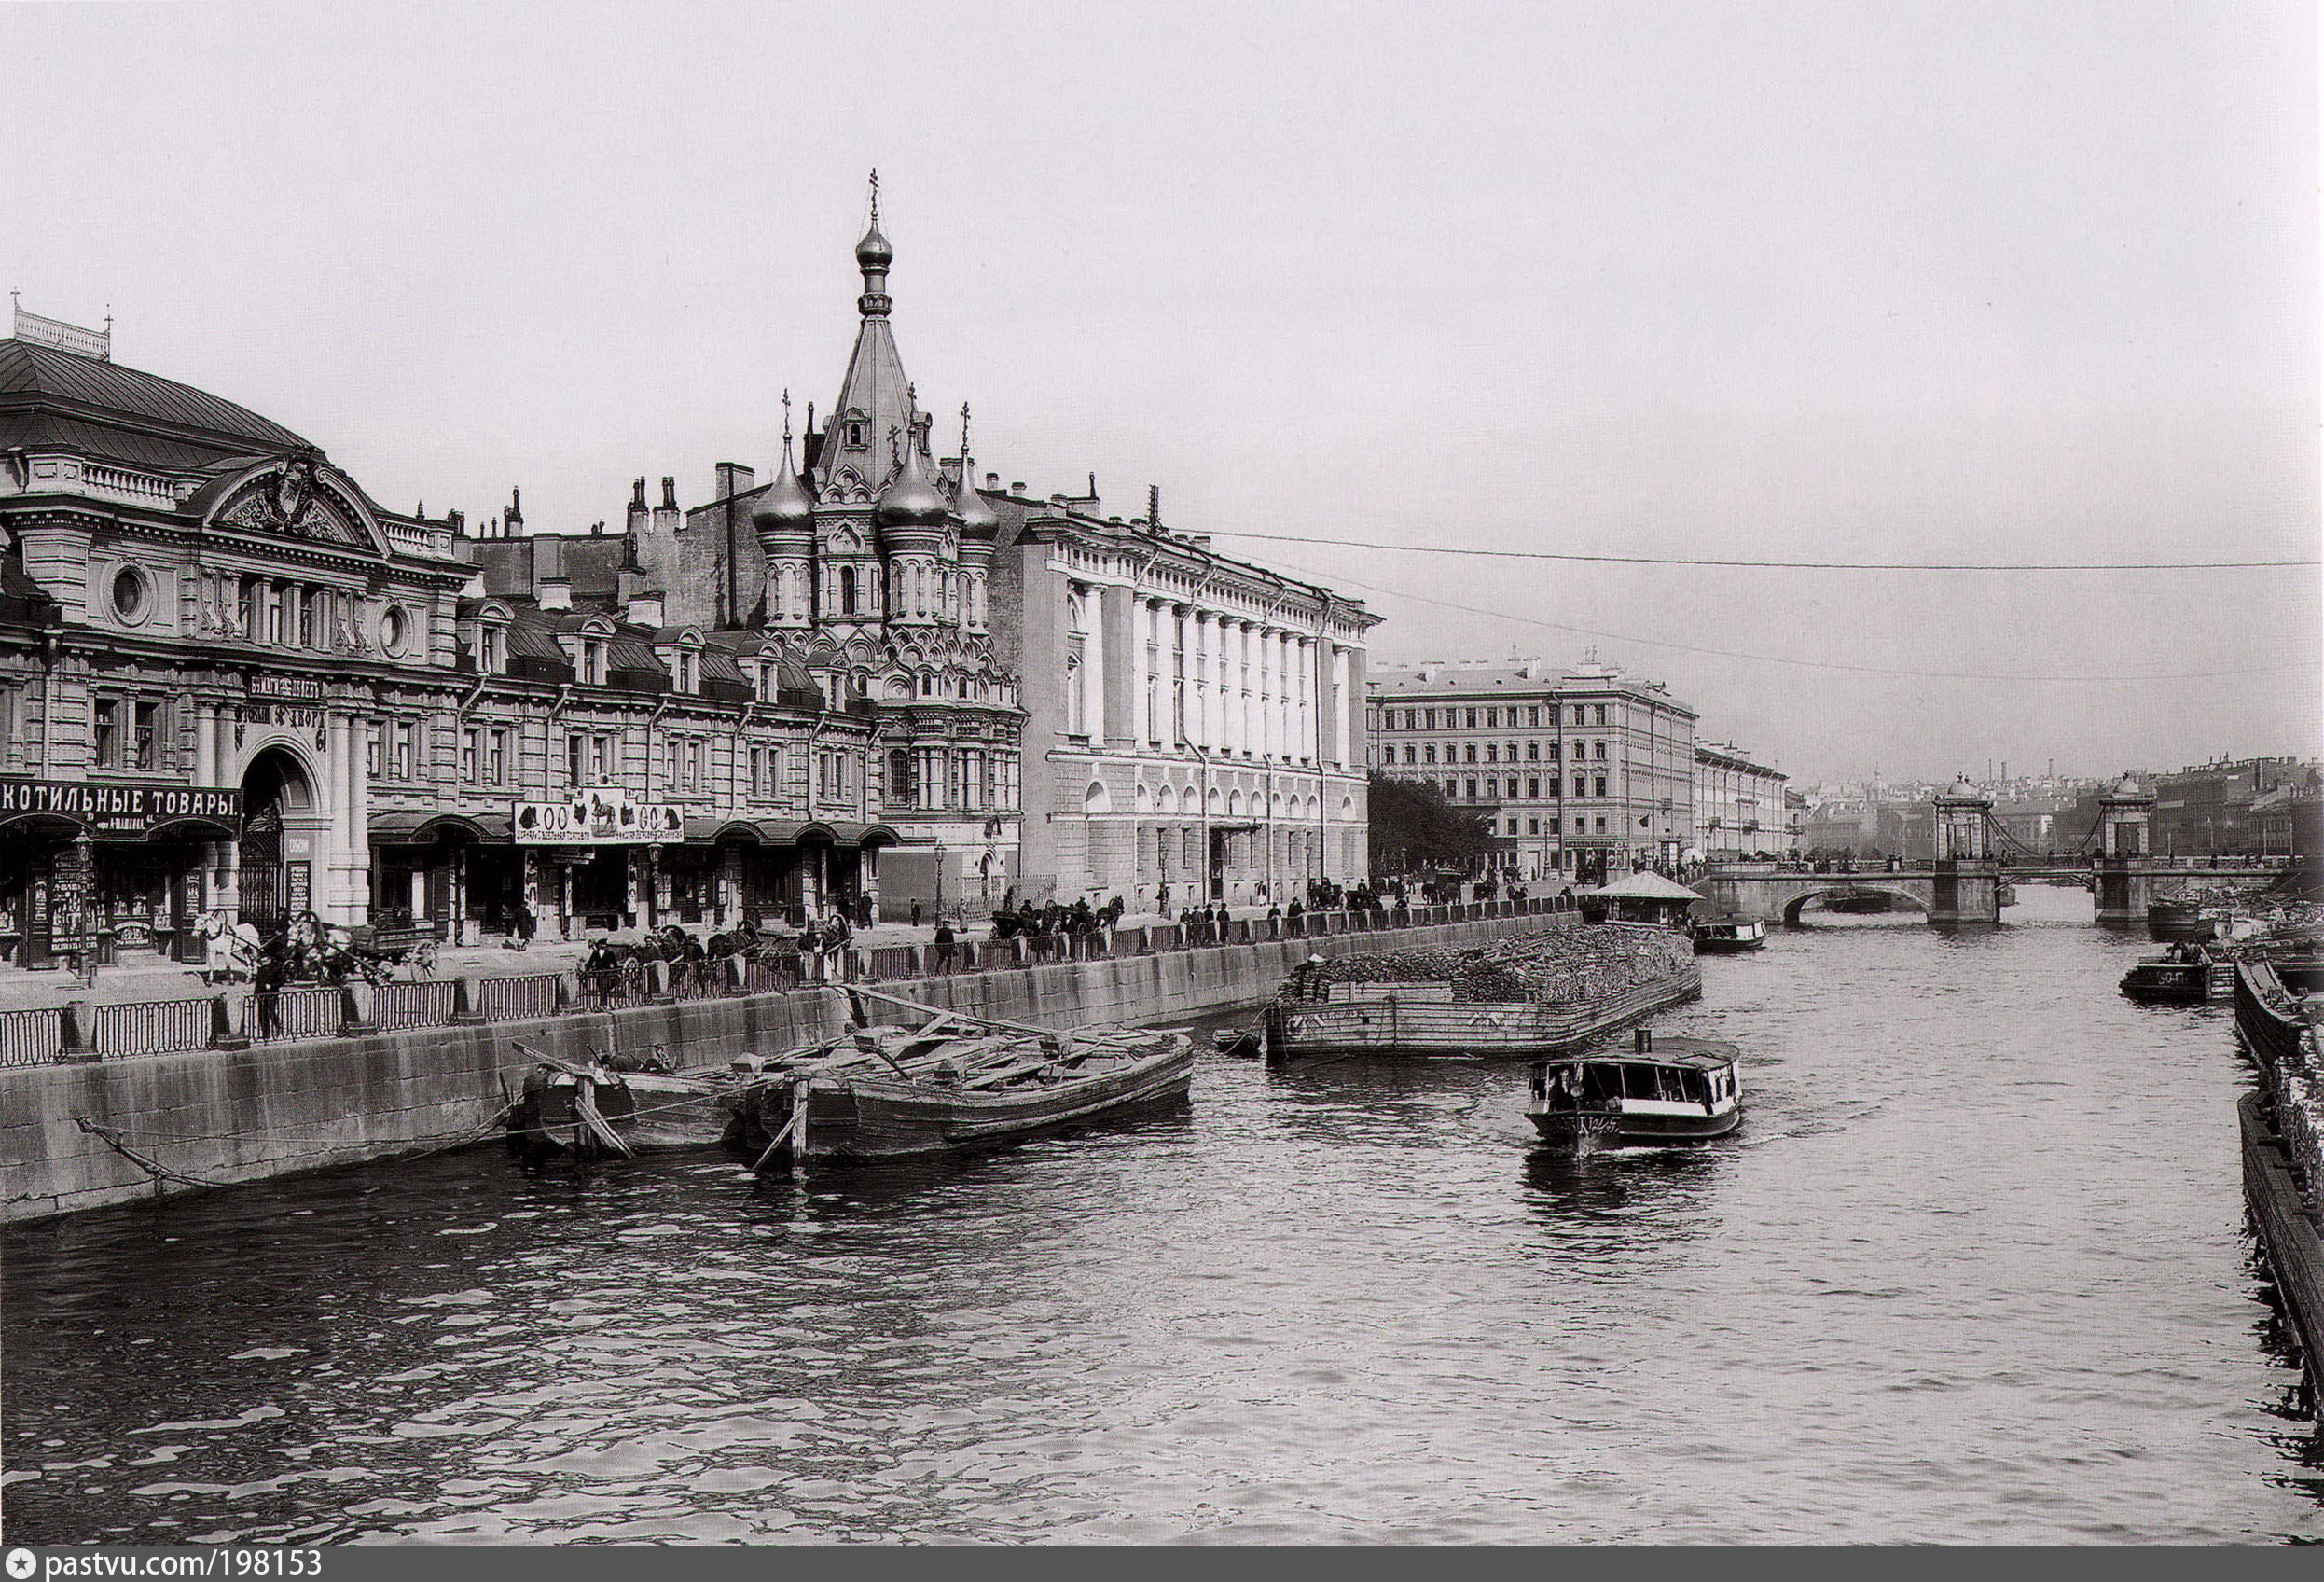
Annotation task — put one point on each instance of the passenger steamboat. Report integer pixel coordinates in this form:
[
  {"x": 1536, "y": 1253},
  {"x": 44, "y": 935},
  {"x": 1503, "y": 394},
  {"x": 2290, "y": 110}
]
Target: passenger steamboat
[{"x": 1658, "y": 1090}]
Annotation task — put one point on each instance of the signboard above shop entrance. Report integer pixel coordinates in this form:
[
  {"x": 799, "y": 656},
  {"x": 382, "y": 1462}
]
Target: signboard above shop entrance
[
  {"x": 123, "y": 810},
  {"x": 598, "y": 816}
]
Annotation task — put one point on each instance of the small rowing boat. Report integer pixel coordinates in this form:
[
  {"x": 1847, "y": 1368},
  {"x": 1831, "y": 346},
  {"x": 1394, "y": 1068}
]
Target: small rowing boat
[
  {"x": 1659, "y": 1091},
  {"x": 949, "y": 1083}
]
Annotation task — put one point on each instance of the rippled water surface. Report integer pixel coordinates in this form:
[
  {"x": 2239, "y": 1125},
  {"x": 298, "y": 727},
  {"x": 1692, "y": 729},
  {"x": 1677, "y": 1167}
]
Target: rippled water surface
[{"x": 1973, "y": 1270}]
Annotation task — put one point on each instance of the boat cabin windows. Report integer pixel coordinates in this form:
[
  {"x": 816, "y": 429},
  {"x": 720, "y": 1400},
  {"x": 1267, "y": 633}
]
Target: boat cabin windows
[{"x": 1605, "y": 1082}]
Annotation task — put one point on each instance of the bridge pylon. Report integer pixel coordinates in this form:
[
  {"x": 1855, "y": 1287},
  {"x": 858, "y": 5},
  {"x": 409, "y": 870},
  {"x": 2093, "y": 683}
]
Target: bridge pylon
[
  {"x": 1966, "y": 884},
  {"x": 2125, "y": 888}
]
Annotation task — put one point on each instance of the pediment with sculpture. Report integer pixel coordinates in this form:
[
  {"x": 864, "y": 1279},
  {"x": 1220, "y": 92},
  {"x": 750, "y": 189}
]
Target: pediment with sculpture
[{"x": 295, "y": 499}]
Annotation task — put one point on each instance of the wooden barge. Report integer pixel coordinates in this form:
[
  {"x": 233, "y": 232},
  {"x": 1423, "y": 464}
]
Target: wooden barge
[
  {"x": 2286, "y": 1229},
  {"x": 952, "y": 1084},
  {"x": 2280, "y": 1027},
  {"x": 1336, "y": 1021}
]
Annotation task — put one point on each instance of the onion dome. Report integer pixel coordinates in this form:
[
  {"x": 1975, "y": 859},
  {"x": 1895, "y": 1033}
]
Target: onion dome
[
  {"x": 977, "y": 520},
  {"x": 873, "y": 256},
  {"x": 785, "y": 510},
  {"x": 910, "y": 498}
]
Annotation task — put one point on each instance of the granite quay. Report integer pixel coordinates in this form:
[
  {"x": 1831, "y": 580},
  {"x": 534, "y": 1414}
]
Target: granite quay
[{"x": 102, "y": 1103}]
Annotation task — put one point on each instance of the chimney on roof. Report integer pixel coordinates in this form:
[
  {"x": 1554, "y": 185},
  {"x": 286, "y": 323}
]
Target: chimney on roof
[
  {"x": 734, "y": 478},
  {"x": 553, "y": 592},
  {"x": 644, "y": 607},
  {"x": 637, "y": 505},
  {"x": 666, "y": 516},
  {"x": 1016, "y": 489},
  {"x": 457, "y": 520},
  {"x": 1153, "y": 505},
  {"x": 514, "y": 517}
]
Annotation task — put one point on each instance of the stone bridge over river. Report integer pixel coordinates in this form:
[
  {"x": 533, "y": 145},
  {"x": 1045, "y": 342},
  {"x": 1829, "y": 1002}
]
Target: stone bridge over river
[{"x": 1975, "y": 857}]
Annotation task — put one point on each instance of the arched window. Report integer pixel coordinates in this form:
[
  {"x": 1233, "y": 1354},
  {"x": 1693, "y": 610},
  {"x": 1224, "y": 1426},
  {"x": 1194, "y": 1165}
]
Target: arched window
[{"x": 847, "y": 591}]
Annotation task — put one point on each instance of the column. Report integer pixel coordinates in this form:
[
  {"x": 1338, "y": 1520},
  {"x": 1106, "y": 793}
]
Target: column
[
  {"x": 1198, "y": 670},
  {"x": 1231, "y": 684},
  {"x": 1123, "y": 659},
  {"x": 1270, "y": 686},
  {"x": 1179, "y": 728},
  {"x": 1308, "y": 710},
  {"x": 1252, "y": 679}
]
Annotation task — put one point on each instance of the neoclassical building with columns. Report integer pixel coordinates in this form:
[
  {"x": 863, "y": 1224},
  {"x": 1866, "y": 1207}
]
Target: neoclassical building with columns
[{"x": 1195, "y": 723}]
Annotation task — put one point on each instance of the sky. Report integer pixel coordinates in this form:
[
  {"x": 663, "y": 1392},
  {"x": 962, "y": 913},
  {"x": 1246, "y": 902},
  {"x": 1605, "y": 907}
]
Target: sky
[{"x": 1948, "y": 284}]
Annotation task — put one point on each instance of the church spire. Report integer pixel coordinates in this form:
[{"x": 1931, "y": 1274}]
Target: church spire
[{"x": 874, "y": 397}]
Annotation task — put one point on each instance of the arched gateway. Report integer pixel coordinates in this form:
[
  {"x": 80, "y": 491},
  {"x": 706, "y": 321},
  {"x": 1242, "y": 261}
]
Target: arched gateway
[{"x": 273, "y": 883}]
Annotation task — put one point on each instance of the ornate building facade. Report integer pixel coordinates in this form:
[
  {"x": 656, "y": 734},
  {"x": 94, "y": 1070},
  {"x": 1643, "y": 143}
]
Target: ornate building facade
[
  {"x": 204, "y": 625},
  {"x": 866, "y": 566},
  {"x": 1195, "y": 726},
  {"x": 233, "y": 682}
]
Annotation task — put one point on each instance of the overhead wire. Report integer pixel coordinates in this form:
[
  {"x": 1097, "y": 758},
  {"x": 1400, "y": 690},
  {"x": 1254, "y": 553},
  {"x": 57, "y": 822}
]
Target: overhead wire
[
  {"x": 1341, "y": 580},
  {"x": 1769, "y": 565}
]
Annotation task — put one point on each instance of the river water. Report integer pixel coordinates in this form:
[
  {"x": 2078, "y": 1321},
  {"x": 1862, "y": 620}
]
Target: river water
[{"x": 1975, "y": 1269}]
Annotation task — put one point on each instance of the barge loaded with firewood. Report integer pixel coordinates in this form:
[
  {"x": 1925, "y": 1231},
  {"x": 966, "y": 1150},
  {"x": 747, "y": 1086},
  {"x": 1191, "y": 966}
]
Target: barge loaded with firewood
[
  {"x": 2279, "y": 1020},
  {"x": 1527, "y": 996},
  {"x": 945, "y": 1082}
]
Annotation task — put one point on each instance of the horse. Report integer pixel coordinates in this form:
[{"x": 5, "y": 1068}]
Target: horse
[{"x": 231, "y": 947}]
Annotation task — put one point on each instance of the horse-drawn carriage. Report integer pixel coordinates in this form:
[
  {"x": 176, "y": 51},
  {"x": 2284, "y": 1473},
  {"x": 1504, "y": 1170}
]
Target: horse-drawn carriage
[
  {"x": 618, "y": 969},
  {"x": 310, "y": 950}
]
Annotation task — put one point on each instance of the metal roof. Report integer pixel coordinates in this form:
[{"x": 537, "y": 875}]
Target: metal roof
[{"x": 49, "y": 397}]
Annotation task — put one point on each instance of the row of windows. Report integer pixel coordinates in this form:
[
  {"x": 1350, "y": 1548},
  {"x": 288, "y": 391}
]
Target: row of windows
[
  {"x": 1554, "y": 827},
  {"x": 1493, "y": 716},
  {"x": 1466, "y": 751},
  {"x": 1535, "y": 788}
]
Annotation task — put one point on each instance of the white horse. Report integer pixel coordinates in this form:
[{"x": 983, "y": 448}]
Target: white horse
[{"x": 231, "y": 947}]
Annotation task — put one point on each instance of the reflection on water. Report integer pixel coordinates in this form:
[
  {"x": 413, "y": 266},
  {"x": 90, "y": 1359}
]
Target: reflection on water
[{"x": 1973, "y": 1268}]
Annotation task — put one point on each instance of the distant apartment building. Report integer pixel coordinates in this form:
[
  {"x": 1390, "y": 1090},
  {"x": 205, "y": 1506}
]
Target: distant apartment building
[
  {"x": 1582, "y": 773},
  {"x": 1739, "y": 804},
  {"x": 2207, "y": 810},
  {"x": 2289, "y": 816}
]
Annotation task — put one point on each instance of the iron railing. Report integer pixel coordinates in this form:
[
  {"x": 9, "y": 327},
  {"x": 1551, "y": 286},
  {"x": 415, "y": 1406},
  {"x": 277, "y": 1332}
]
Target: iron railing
[
  {"x": 152, "y": 1027},
  {"x": 282, "y": 1014},
  {"x": 32, "y": 1036},
  {"x": 397, "y": 1005},
  {"x": 517, "y": 999}
]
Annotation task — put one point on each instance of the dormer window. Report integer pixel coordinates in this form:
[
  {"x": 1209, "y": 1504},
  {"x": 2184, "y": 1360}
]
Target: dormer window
[
  {"x": 688, "y": 671},
  {"x": 858, "y": 433},
  {"x": 592, "y": 665},
  {"x": 492, "y": 651}
]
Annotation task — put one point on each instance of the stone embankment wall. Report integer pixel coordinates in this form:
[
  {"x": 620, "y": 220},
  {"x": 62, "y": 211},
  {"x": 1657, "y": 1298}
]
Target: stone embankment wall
[{"x": 221, "y": 1117}]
